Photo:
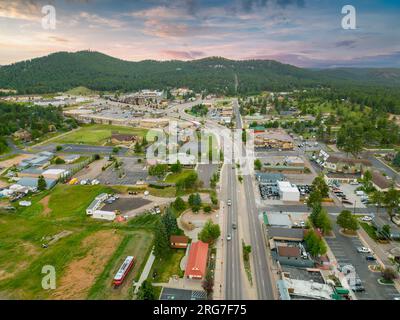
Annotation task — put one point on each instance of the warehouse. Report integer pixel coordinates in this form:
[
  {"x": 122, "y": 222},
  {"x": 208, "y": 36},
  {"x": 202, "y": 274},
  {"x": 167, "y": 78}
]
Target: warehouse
[{"x": 288, "y": 192}]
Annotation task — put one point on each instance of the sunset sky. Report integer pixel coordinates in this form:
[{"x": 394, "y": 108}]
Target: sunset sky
[{"x": 305, "y": 33}]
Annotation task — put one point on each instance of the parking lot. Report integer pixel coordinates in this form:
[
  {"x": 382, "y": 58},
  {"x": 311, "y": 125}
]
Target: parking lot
[
  {"x": 345, "y": 250},
  {"x": 126, "y": 204},
  {"x": 130, "y": 173},
  {"x": 346, "y": 193}
]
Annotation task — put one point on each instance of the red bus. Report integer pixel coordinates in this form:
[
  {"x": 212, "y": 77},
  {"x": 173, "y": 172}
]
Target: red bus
[{"x": 124, "y": 270}]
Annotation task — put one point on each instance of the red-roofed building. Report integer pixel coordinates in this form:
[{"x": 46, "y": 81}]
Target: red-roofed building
[{"x": 197, "y": 261}]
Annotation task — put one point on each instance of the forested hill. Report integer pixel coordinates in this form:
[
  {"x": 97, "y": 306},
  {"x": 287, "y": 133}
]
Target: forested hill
[{"x": 63, "y": 71}]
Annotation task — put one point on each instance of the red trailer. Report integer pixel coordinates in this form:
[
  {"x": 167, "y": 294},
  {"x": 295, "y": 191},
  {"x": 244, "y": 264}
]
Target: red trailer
[{"x": 124, "y": 270}]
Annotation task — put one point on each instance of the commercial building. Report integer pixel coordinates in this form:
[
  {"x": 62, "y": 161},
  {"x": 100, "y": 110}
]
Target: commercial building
[
  {"x": 281, "y": 220},
  {"x": 96, "y": 203},
  {"x": 197, "y": 261},
  {"x": 288, "y": 192}
]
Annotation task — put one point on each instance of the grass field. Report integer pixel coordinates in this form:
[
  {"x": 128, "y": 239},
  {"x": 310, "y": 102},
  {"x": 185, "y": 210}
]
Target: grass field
[
  {"x": 175, "y": 177},
  {"x": 137, "y": 244},
  {"x": 90, "y": 246},
  {"x": 97, "y": 134},
  {"x": 168, "y": 266}
]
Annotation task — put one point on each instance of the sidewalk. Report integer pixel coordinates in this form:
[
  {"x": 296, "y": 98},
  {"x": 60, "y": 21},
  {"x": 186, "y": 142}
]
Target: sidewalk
[{"x": 145, "y": 272}]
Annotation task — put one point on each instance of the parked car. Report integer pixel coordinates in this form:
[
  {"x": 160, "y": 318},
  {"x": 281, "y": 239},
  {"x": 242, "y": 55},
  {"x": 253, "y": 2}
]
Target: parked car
[
  {"x": 370, "y": 258},
  {"x": 366, "y": 218},
  {"x": 363, "y": 250}
]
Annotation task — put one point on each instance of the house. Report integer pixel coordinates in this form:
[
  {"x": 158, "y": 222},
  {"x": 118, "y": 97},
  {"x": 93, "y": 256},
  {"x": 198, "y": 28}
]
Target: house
[
  {"x": 118, "y": 138},
  {"x": 380, "y": 182},
  {"x": 178, "y": 242},
  {"x": 197, "y": 261},
  {"x": 346, "y": 165},
  {"x": 23, "y": 135},
  {"x": 291, "y": 254}
]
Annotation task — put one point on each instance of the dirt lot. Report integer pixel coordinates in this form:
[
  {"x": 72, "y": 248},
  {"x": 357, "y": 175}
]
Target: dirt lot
[
  {"x": 82, "y": 273},
  {"x": 92, "y": 172},
  {"x": 10, "y": 162}
]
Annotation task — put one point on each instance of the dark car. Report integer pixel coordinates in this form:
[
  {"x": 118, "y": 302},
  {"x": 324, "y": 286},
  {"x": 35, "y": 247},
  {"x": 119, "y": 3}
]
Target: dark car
[
  {"x": 234, "y": 226},
  {"x": 370, "y": 258}
]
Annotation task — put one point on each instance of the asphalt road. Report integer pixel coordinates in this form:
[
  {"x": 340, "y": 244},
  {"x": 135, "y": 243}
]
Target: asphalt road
[
  {"x": 262, "y": 275},
  {"x": 233, "y": 281}
]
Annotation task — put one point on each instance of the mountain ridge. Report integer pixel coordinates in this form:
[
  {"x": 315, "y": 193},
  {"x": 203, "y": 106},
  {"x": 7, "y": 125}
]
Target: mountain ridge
[{"x": 62, "y": 71}]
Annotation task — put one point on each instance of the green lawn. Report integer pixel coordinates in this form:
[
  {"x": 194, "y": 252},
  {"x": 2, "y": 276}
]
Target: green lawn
[
  {"x": 23, "y": 233},
  {"x": 175, "y": 177},
  {"x": 97, "y": 134},
  {"x": 369, "y": 229},
  {"x": 168, "y": 266}
]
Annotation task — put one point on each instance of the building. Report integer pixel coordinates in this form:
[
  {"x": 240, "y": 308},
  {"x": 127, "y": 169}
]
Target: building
[
  {"x": 30, "y": 173},
  {"x": 291, "y": 289},
  {"x": 178, "y": 242},
  {"x": 288, "y": 192},
  {"x": 119, "y": 138},
  {"x": 346, "y": 165},
  {"x": 380, "y": 182},
  {"x": 32, "y": 183},
  {"x": 280, "y": 220},
  {"x": 291, "y": 254},
  {"x": 197, "y": 261},
  {"x": 55, "y": 174},
  {"x": 104, "y": 215},
  {"x": 285, "y": 234},
  {"x": 337, "y": 177},
  {"x": 22, "y": 135},
  {"x": 96, "y": 203},
  {"x": 70, "y": 158}
]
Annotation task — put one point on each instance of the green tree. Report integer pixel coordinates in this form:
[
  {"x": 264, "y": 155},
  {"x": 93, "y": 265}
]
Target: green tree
[
  {"x": 377, "y": 198},
  {"x": 315, "y": 244},
  {"x": 347, "y": 220},
  {"x": 179, "y": 204},
  {"x": 257, "y": 164},
  {"x": 169, "y": 221},
  {"x": 320, "y": 185},
  {"x": 210, "y": 232},
  {"x": 42, "y": 184},
  {"x": 176, "y": 167},
  {"x": 138, "y": 148},
  {"x": 396, "y": 160},
  {"x": 391, "y": 200},
  {"x": 146, "y": 291},
  {"x": 161, "y": 240},
  {"x": 314, "y": 199}
]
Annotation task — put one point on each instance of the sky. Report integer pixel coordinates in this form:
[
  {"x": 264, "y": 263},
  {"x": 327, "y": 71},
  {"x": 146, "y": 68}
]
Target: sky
[{"x": 305, "y": 33}]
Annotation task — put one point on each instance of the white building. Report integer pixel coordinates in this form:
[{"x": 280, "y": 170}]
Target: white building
[
  {"x": 288, "y": 192},
  {"x": 96, "y": 203},
  {"x": 104, "y": 215}
]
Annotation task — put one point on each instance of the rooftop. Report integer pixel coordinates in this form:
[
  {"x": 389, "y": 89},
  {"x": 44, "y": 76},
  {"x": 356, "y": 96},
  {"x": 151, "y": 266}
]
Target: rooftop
[{"x": 182, "y": 294}]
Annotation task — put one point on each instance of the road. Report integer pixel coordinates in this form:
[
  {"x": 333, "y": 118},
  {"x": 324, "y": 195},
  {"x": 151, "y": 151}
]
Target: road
[
  {"x": 233, "y": 281},
  {"x": 262, "y": 274}
]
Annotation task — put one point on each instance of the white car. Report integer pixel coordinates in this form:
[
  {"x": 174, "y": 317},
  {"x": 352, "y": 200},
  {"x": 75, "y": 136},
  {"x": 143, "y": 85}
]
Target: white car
[
  {"x": 229, "y": 202},
  {"x": 363, "y": 250},
  {"x": 366, "y": 218},
  {"x": 228, "y": 237}
]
